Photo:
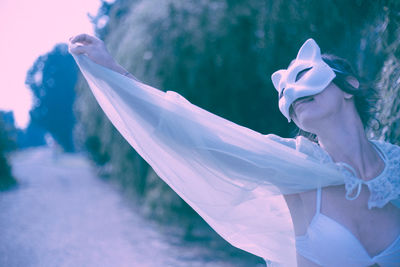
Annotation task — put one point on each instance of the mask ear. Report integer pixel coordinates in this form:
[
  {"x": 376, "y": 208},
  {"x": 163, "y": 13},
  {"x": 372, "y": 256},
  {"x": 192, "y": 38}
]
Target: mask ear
[
  {"x": 309, "y": 51},
  {"x": 276, "y": 78}
]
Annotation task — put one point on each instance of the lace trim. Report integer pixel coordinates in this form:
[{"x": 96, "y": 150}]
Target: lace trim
[{"x": 383, "y": 188}]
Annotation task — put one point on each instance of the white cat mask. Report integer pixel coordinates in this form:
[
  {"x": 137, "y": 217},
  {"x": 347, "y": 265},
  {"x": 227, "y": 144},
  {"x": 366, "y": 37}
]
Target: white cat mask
[{"x": 314, "y": 81}]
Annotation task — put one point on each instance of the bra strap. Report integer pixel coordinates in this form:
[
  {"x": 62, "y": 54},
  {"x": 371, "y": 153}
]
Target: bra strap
[{"x": 318, "y": 208}]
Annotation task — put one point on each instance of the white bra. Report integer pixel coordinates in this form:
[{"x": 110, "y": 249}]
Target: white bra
[{"x": 329, "y": 243}]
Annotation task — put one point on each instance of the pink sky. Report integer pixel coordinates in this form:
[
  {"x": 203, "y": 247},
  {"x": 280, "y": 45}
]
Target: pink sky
[{"x": 29, "y": 29}]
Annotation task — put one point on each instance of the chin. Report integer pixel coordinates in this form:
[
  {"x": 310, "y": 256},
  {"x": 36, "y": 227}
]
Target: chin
[{"x": 307, "y": 123}]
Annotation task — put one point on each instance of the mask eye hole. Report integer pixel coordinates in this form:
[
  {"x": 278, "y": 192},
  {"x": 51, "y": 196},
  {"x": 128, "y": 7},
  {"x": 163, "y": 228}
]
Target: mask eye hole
[
  {"x": 281, "y": 93},
  {"x": 301, "y": 73}
]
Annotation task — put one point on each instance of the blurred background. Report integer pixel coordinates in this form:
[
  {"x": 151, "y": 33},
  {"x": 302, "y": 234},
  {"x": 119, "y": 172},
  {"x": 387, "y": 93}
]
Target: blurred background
[{"x": 67, "y": 176}]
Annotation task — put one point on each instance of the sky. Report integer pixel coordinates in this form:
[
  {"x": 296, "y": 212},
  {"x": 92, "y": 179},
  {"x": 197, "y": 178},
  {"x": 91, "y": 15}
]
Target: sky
[{"x": 28, "y": 29}]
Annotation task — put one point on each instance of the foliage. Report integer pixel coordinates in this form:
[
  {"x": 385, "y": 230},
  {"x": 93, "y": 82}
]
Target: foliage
[
  {"x": 7, "y": 144},
  {"x": 219, "y": 54},
  {"x": 31, "y": 136},
  {"x": 52, "y": 79},
  {"x": 9, "y": 133},
  {"x": 387, "y": 29}
]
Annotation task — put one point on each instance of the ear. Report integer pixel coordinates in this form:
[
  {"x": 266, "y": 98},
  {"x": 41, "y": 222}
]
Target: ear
[
  {"x": 276, "y": 78},
  {"x": 347, "y": 95},
  {"x": 353, "y": 81},
  {"x": 309, "y": 51}
]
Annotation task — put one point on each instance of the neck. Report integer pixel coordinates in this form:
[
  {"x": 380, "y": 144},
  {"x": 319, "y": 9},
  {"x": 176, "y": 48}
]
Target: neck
[{"x": 349, "y": 144}]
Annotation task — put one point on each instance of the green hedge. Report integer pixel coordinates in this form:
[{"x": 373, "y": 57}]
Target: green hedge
[{"x": 219, "y": 54}]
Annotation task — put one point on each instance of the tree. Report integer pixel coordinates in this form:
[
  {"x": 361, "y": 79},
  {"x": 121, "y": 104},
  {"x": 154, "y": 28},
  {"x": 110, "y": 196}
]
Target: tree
[
  {"x": 52, "y": 80},
  {"x": 7, "y": 144}
]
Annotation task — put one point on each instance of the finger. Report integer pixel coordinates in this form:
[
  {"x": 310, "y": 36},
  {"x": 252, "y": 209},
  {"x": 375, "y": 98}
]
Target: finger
[
  {"x": 78, "y": 49},
  {"x": 83, "y": 38}
]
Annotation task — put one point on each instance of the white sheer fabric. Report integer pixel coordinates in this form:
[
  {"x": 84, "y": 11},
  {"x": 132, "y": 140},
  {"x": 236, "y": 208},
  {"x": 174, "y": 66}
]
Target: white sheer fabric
[{"x": 232, "y": 176}]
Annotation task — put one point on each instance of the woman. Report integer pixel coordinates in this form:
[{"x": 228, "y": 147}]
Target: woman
[
  {"x": 333, "y": 117},
  {"x": 238, "y": 180}
]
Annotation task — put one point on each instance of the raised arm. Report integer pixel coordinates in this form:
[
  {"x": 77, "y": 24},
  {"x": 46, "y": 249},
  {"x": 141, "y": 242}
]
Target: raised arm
[
  {"x": 232, "y": 176},
  {"x": 246, "y": 154},
  {"x": 95, "y": 49}
]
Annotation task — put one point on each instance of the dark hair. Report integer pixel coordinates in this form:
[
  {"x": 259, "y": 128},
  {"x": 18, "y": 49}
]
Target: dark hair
[{"x": 365, "y": 96}]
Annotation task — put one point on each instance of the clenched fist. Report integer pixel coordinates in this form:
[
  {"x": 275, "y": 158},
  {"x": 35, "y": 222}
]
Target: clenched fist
[
  {"x": 96, "y": 50},
  {"x": 93, "y": 47}
]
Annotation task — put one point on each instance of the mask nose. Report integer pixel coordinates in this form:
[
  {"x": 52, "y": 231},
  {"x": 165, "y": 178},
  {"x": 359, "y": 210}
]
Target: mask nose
[{"x": 288, "y": 93}]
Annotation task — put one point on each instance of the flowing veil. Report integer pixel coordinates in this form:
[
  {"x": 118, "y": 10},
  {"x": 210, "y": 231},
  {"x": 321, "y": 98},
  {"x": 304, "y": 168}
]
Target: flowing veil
[{"x": 232, "y": 176}]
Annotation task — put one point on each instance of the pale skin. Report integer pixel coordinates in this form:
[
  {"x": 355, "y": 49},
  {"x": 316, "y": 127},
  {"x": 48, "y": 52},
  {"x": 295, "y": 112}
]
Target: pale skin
[
  {"x": 333, "y": 117},
  {"x": 96, "y": 50}
]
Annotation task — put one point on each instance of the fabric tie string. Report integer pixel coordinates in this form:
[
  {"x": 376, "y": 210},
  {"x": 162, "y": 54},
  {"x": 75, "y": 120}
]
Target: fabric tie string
[
  {"x": 352, "y": 182},
  {"x": 358, "y": 184}
]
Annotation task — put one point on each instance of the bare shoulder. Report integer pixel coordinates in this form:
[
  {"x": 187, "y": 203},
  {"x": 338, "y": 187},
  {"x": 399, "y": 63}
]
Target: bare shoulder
[{"x": 301, "y": 207}]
